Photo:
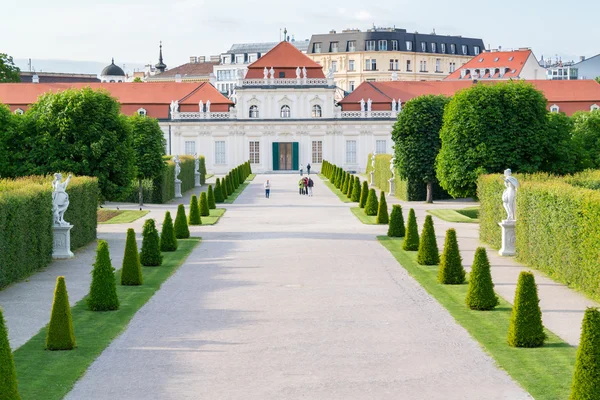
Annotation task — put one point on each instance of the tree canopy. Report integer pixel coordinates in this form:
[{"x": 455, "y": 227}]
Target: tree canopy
[
  {"x": 9, "y": 72},
  {"x": 586, "y": 134}
]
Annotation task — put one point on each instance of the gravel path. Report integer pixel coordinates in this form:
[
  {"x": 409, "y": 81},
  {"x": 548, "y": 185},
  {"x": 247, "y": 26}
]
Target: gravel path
[{"x": 293, "y": 298}]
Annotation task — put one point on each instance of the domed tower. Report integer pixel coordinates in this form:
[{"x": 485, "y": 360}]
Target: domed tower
[
  {"x": 112, "y": 73},
  {"x": 161, "y": 66}
]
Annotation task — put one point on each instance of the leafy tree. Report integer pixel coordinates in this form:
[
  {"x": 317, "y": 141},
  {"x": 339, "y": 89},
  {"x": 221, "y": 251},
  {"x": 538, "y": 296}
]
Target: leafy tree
[
  {"x": 137, "y": 79},
  {"x": 488, "y": 128},
  {"x": 218, "y": 192},
  {"x": 182, "y": 230},
  {"x": 598, "y": 79},
  {"x": 131, "y": 269},
  {"x": 149, "y": 149},
  {"x": 372, "y": 203},
  {"x": 83, "y": 132},
  {"x": 526, "y": 329},
  {"x": 103, "y": 289},
  {"x": 586, "y": 379},
  {"x": 396, "y": 228},
  {"x": 382, "y": 211},
  {"x": 8, "y": 373},
  {"x": 150, "y": 255},
  {"x": 9, "y": 72},
  {"x": 416, "y": 135},
  {"x": 480, "y": 295},
  {"x": 195, "y": 218},
  {"x": 11, "y": 145},
  {"x": 564, "y": 154},
  {"x": 411, "y": 240},
  {"x": 428, "y": 253},
  {"x": 364, "y": 193},
  {"x": 211, "y": 198},
  {"x": 168, "y": 240},
  {"x": 451, "y": 271},
  {"x": 204, "y": 210},
  {"x": 586, "y": 134}
]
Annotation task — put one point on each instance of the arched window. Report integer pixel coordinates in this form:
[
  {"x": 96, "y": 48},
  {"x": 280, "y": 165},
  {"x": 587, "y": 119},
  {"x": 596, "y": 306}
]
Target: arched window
[
  {"x": 286, "y": 112},
  {"x": 253, "y": 111},
  {"x": 554, "y": 108},
  {"x": 19, "y": 111},
  {"x": 142, "y": 112},
  {"x": 316, "y": 111}
]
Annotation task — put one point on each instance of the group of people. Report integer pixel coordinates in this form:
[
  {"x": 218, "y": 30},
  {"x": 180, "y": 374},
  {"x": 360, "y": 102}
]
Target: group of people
[{"x": 305, "y": 186}]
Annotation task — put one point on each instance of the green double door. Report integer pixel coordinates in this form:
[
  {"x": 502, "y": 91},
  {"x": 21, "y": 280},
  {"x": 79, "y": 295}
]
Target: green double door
[{"x": 285, "y": 156}]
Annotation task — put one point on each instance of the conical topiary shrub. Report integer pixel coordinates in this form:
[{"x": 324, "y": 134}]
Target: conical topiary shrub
[
  {"x": 396, "y": 228},
  {"x": 526, "y": 329},
  {"x": 194, "y": 218},
  {"x": 211, "y": 198},
  {"x": 234, "y": 180},
  {"x": 8, "y": 373},
  {"x": 131, "y": 270},
  {"x": 364, "y": 193},
  {"x": 382, "y": 211},
  {"x": 150, "y": 255},
  {"x": 218, "y": 192},
  {"x": 411, "y": 240},
  {"x": 350, "y": 186},
  {"x": 451, "y": 271},
  {"x": 480, "y": 295},
  {"x": 168, "y": 240},
  {"x": 428, "y": 250},
  {"x": 103, "y": 289},
  {"x": 60, "y": 334},
  {"x": 372, "y": 204},
  {"x": 204, "y": 210},
  {"x": 356, "y": 190},
  {"x": 586, "y": 378},
  {"x": 344, "y": 187},
  {"x": 230, "y": 187},
  {"x": 182, "y": 231},
  {"x": 224, "y": 188}
]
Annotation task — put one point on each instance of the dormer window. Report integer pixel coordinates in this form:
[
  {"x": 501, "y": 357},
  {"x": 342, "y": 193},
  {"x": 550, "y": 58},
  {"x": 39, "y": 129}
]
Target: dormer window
[
  {"x": 443, "y": 47},
  {"x": 370, "y": 45},
  {"x": 511, "y": 58},
  {"x": 316, "y": 47},
  {"x": 554, "y": 108},
  {"x": 452, "y": 49},
  {"x": 316, "y": 111},
  {"x": 253, "y": 112},
  {"x": 433, "y": 48},
  {"x": 334, "y": 47},
  {"x": 464, "y": 49},
  {"x": 496, "y": 59},
  {"x": 476, "y": 50},
  {"x": 352, "y": 45},
  {"x": 142, "y": 112},
  {"x": 383, "y": 45},
  {"x": 423, "y": 47},
  {"x": 286, "y": 112}
]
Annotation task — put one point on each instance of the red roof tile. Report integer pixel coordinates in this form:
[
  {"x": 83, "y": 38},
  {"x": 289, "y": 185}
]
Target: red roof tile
[
  {"x": 512, "y": 60},
  {"x": 284, "y": 57}
]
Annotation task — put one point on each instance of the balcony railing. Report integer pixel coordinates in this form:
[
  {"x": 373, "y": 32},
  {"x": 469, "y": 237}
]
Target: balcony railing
[
  {"x": 203, "y": 115},
  {"x": 195, "y": 116},
  {"x": 286, "y": 82}
]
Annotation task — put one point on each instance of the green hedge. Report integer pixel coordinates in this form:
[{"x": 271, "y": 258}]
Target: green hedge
[
  {"x": 164, "y": 185},
  {"x": 26, "y": 220},
  {"x": 558, "y": 225}
]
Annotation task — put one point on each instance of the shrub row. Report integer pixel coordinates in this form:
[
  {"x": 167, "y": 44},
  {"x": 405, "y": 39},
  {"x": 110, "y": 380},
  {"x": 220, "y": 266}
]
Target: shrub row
[
  {"x": 225, "y": 186},
  {"x": 26, "y": 237}
]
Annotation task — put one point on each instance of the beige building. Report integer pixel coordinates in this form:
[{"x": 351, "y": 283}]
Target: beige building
[{"x": 383, "y": 54}]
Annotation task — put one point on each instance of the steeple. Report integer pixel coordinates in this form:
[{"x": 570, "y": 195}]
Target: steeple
[{"x": 161, "y": 66}]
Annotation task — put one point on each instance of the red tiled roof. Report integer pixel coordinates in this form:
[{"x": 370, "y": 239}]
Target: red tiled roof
[
  {"x": 493, "y": 60},
  {"x": 189, "y": 69},
  {"x": 284, "y": 57}
]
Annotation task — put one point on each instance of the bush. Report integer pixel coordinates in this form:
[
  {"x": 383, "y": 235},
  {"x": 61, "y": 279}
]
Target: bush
[
  {"x": 230, "y": 188},
  {"x": 8, "y": 373},
  {"x": 344, "y": 187},
  {"x": 60, "y": 334},
  {"x": 364, "y": 193},
  {"x": 356, "y": 190},
  {"x": 372, "y": 204},
  {"x": 150, "y": 255},
  {"x": 396, "y": 228},
  {"x": 181, "y": 227},
  {"x": 224, "y": 188},
  {"x": 194, "y": 212},
  {"x": 211, "y": 198},
  {"x": 103, "y": 289},
  {"x": 382, "y": 211},
  {"x": 480, "y": 295},
  {"x": 411, "y": 240},
  {"x": 219, "y": 192},
  {"x": 428, "y": 250},
  {"x": 348, "y": 192},
  {"x": 451, "y": 271},
  {"x": 204, "y": 210},
  {"x": 586, "y": 378},
  {"x": 526, "y": 329},
  {"x": 202, "y": 170},
  {"x": 164, "y": 184},
  {"x": 131, "y": 270},
  {"x": 168, "y": 240}
]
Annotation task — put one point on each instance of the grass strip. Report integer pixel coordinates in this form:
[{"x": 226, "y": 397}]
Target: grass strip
[
  {"x": 121, "y": 216},
  {"x": 51, "y": 375},
  {"x": 545, "y": 372},
  {"x": 231, "y": 198},
  {"x": 335, "y": 190},
  {"x": 364, "y": 218},
  {"x": 214, "y": 216},
  {"x": 470, "y": 214}
]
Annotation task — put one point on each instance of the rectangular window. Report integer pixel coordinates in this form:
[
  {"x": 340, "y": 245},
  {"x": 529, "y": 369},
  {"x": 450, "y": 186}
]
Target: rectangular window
[
  {"x": 438, "y": 65},
  {"x": 334, "y": 66},
  {"x": 239, "y": 59},
  {"x": 371, "y": 64},
  {"x": 352, "y": 45},
  {"x": 408, "y": 45},
  {"x": 464, "y": 49},
  {"x": 252, "y": 58},
  {"x": 370, "y": 45},
  {"x": 190, "y": 147},
  {"x": 452, "y": 49},
  {"x": 423, "y": 66},
  {"x": 350, "y": 151},
  {"x": 394, "y": 65},
  {"x": 476, "y": 50},
  {"x": 317, "y": 152},
  {"x": 433, "y": 48},
  {"x": 408, "y": 66},
  {"x": 351, "y": 65},
  {"x": 334, "y": 47},
  {"x": 443, "y": 47},
  {"x": 452, "y": 67},
  {"x": 317, "y": 48},
  {"x": 381, "y": 146},
  {"x": 383, "y": 45},
  {"x": 394, "y": 45},
  {"x": 254, "y": 152},
  {"x": 220, "y": 152},
  {"x": 423, "y": 47},
  {"x": 351, "y": 86}
]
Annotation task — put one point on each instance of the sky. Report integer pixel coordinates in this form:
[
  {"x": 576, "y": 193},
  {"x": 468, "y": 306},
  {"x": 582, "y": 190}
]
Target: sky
[{"x": 130, "y": 30}]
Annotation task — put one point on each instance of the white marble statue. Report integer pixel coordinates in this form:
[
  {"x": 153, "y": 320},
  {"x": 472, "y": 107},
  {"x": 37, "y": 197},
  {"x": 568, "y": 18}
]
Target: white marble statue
[
  {"x": 330, "y": 73},
  {"x": 509, "y": 196},
  {"x": 393, "y": 105},
  {"x": 373, "y": 159},
  {"x": 266, "y": 73},
  {"x": 298, "y": 72},
  {"x": 369, "y": 105},
  {"x": 392, "y": 166},
  {"x": 201, "y": 106},
  {"x": 399, "y": 105},
  {"x": 196, "y": 163},
  {"x": 304, "y": 72},
  {"x": 207, "y": 106},
  {"x": 233, "y": 97},
  {"x": 272, "y": 73},
  {"x": 177, "y": 167},
  {"x": 173, "y": 107},
  {"x": 60, "y": 199},
  {"x": 362, "y": 104}
]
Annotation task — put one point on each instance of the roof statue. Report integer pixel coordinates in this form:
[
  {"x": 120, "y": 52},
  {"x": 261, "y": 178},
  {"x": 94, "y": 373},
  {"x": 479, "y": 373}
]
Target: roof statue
[
  {"x": 208, "y": 106},
  {"x": 362, "y": 104},
  {"x": 393, "y": 105},
  {"x": 201, "y": 106},
  {"x": 304, "y": 72},
  {"x": 369, "y": 101},
  {"x": 298, "y": 72},
  {"x": 266, "y": 73},
  {"x": 272, "y": 73}
]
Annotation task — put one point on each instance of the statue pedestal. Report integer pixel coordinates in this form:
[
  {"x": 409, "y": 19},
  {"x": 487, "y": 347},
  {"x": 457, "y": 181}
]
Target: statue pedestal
[
  {"x": 392, "y": 188},
  {"x": 197, "y": 179},
  {"x": 372, "y": 178},
  {"x": 62, "y": 242},
  {"x": 178, "y": 188},
  {"x": 508, "y": 238}
]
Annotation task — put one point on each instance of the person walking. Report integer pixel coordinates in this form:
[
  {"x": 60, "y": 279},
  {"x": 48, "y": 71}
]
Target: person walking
[
  {"x": 301, "y": 174},
  {"x": 267, "y": 189},
  {"x": 310, "y": 187},
  {"x": 305, "y": 183},
  {"x": 301, "y": 186},
  {"x": 308, "y": 168}
]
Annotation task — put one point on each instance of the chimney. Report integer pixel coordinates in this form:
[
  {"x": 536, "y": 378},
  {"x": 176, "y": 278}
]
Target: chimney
[
  {"x": 201, "y": 59},
  {"x": 581, "y": 58},
  {"x": 332, "y": 32},
  {"x": 216, "y": 58},
  {"x": 178, "y": 78},
  {"x": 35, "y": 78},
  {"x": 193, "y": 59}
]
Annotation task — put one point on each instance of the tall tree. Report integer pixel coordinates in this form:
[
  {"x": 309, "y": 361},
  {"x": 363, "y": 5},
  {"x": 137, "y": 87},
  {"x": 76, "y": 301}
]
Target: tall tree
[
  {"x": 417, "y": 141},
  {"x": 586, "y": 134},
  {"x": 149, "y": 148},
  {"x": 9, "y": 72}
]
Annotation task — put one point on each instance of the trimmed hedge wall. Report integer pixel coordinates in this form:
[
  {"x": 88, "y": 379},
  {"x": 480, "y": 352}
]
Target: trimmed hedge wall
[
  {"x": 26, "y": 219},
  {"x": 558, "y": 225},
  {"x": 164, "y": 185}
]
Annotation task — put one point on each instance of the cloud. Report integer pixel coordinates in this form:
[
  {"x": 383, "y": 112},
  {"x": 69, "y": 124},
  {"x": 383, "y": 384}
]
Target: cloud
[{"x": 363, "y": 15}]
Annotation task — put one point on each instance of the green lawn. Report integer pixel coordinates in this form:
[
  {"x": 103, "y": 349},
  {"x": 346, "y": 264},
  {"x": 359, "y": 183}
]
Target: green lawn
[
  {"x": 239, "y": 190},
  {"x": 364, "y": 218},
  {"x": 335, "y": 190},
  {"x": 470, "y": 214},
  {"x": 51, "y": 374},
  {"x": 214, "y": 216},
  {"x": 106, "y": 216},
  {"x": 545, "y": 372}
]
